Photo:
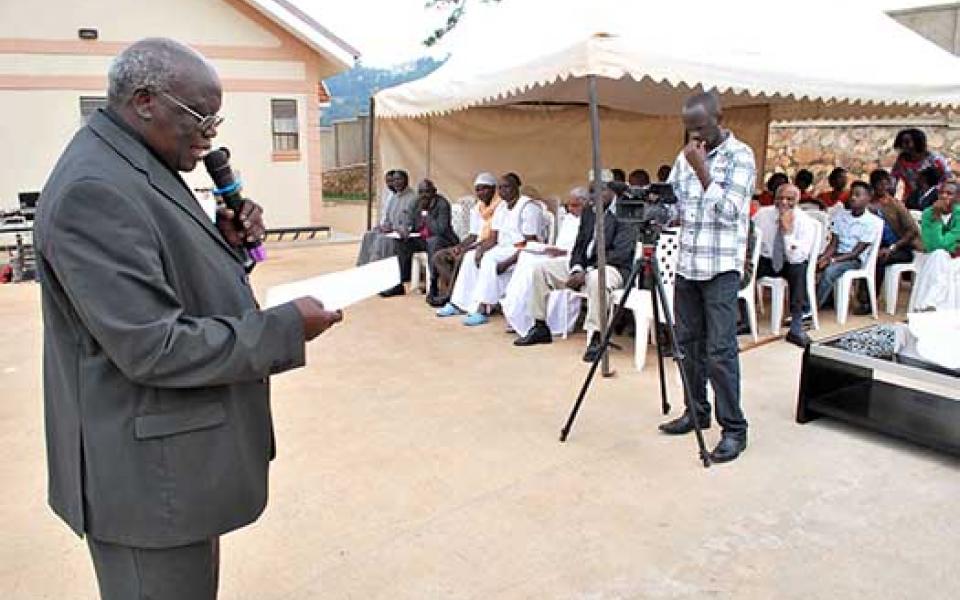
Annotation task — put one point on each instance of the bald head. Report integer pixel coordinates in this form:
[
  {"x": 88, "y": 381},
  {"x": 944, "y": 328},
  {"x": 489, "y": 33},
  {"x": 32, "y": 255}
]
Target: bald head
[
  {"x": 170, "y": 95},
  {"x": 787, "y": 197},
  {"x": 154, "y": 63}
]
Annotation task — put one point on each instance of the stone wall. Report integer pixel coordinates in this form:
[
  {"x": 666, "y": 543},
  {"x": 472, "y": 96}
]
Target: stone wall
[
  {"x": 345, "y": 181},
  {"x": 857, "y": 148}
]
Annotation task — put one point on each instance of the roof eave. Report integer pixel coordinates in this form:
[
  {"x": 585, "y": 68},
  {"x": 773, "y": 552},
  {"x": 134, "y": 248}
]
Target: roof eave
[{"x": 308, "y": 31}]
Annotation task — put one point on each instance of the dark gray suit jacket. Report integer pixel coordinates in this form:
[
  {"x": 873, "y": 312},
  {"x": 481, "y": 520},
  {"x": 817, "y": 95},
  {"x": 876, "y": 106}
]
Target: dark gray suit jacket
[
  {"x": 621, "y": 243},
  {"x": 438, "y": 221},
  {"x": 156, "y": 356}
]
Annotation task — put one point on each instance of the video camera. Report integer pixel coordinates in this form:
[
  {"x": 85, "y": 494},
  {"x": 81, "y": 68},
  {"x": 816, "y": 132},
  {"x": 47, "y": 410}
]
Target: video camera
[{"x": 647, "y": 208}]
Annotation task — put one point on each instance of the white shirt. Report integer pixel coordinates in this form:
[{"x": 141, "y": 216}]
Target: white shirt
[
  {"x": 851, "y": 230},
  {"x": 514, "y": 225},
  {"x": 798, "y": 242}
]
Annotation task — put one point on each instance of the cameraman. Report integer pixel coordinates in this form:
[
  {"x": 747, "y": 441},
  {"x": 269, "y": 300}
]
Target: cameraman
[{"x": 713, "y": 178}]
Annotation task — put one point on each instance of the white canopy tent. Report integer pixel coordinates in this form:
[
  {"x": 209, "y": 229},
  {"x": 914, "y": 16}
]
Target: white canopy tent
[{"x": 511, "y": 95}]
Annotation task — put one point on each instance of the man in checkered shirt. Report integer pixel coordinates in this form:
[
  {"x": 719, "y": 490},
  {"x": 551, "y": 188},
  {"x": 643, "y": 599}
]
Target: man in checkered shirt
[{"x": 713, "y": 178}]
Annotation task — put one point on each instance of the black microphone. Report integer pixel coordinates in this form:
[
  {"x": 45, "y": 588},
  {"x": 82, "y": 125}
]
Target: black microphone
[{"x": 228, "y": 187}]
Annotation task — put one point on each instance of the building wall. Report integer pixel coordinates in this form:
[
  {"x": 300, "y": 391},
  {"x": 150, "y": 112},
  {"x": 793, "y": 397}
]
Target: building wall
[{"x": 44, "y": 69}]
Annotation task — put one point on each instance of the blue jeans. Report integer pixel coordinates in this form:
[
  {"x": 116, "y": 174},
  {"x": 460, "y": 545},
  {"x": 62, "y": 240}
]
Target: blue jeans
[
  {"x": 707, "y": 333},
  {"x": 830, "y": 276}
]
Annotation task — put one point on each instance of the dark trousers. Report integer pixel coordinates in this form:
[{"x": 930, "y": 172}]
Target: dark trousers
[
  {"x": 446, "y": 266},
  {"x": 411, "y": 246},
  {"x": 796, "y": 277},
  {"x": 706, "y": 314},
  {"x": 183, "y": 573}
]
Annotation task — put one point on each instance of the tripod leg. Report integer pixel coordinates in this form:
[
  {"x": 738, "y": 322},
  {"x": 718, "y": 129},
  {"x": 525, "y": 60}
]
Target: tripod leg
[
  {"x": 678, "y": 359},
  {"x": 664, "y": 399},
  {"x": 605, "y": 343}
]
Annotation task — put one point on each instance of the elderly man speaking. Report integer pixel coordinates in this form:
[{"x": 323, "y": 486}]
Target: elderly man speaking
[{"x": 156, "y": 356}]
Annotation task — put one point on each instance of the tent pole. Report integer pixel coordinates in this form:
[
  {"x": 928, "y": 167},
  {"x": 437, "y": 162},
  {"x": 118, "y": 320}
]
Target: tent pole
[
  {"x": 370, "y": 132},
  {"x": 596, "y": 191}
]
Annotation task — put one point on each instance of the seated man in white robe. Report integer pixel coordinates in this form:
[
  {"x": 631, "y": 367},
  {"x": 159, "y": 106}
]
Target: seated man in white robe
[
  {"x": 581, "y": 273},
  {"x": 516, "y": 300},
  {"x": 486, "y": 270}
]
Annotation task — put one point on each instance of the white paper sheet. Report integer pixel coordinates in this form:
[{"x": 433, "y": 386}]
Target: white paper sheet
[{"x": 341, "y": 289}]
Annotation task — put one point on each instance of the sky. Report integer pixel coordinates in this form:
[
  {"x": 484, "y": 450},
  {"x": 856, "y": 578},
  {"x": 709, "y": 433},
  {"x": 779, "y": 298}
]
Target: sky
[{"x": 388, "y": 32}]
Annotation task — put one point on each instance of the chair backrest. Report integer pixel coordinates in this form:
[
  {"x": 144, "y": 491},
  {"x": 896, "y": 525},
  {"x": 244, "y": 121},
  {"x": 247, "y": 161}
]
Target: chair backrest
[
  {"x": 754, "y": 259},
  {"x": 870, "y": 265},
  {"x": 551, "y": 227},
  {"x": 823, "y": 219},
  {"x": 814, "y": 252},
  {"x": 460, "y": 216},
  {"x": 666, "y": 256}
]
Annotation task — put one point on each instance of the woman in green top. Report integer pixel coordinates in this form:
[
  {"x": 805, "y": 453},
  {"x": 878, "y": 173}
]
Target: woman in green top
[
  {"x": 940, "y": 227},
  {"x": 938, "y": 283}
]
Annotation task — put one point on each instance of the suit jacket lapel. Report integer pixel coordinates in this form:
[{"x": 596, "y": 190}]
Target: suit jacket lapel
[{"x": 159, "y": 176}]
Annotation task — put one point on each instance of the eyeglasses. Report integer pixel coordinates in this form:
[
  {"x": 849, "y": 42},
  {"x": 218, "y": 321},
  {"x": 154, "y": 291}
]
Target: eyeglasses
[{"x": 204, "y": 123}]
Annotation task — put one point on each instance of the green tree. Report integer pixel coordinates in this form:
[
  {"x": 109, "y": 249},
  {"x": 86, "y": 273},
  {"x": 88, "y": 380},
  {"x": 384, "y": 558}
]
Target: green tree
[{"x": 456, "y": 9}]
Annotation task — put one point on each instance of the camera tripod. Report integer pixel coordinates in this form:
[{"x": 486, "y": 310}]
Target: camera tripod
[{"x": 659, "y": 299}]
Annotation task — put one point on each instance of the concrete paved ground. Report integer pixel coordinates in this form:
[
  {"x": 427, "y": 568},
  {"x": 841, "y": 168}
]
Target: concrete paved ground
[{"x": 419, "y": 459}]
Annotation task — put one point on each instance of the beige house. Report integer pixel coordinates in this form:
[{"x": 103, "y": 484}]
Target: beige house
[{"x": 54, "y": 55}]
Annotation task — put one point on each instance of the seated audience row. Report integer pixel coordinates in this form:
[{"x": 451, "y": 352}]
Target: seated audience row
[{"x": 490, "y": 268}]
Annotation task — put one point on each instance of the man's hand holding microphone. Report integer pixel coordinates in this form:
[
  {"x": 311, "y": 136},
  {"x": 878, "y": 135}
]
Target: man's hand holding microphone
[{"x": 240, "y": 221}]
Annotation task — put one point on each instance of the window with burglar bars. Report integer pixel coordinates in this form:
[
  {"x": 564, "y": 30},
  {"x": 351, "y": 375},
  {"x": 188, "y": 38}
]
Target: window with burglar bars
[
  {"x": 286, "y": 136},
  {"x": 89, "y": 105}
]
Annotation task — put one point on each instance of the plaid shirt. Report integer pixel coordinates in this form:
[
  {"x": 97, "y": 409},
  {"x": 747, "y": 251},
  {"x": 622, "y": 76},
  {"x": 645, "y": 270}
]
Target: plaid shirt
[{"x": 714, "y": 223}]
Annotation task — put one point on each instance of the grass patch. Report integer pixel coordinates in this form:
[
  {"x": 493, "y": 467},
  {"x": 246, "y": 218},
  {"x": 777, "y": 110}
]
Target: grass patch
[{"x": 345, "y": 197}]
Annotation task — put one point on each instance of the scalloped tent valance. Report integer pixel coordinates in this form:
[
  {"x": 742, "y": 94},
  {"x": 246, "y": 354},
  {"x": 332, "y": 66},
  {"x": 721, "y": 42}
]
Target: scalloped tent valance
[{"x": 648, "y": 56}]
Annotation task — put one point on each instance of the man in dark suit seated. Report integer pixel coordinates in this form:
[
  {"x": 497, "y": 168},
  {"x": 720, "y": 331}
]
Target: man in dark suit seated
[
  {"x": 431, "y": 232},
  {"x": 156, "y": 355},
  {"x": 581, "y": 274}
]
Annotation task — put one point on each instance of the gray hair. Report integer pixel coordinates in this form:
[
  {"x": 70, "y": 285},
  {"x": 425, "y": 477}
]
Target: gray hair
[
  {"x": 580, "y": 192},
  {"x": 149, "y": 63}
]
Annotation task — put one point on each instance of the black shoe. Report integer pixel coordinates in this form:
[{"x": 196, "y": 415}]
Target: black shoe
[
  {"x": 593, "y": 350},
  {"x": 743, "y": 328},
  {"x": 539, "y": 334},
  {"x": 683, "y": 424},
  {"x": 397, "y": 290},
  {"x": 435, "y": 301},
  {"x": 800, "y": 339},
  {"x": 862, "y": 308},
  {"x": 729, "y": 448}
]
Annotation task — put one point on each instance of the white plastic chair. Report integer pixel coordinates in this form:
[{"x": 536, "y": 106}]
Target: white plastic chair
[
  {"x": 919, "y": 259},
  {"x": 749, "y": 293},
  {"x": 551, "y": 226},
  {"x": 778, "y": 287},
  {"x": 460, "y": 215},
  {"x": 640, "y": 302},
  {"x": 824, "y": 219},
  {"x": 419, "y": 264},
  {"x": 891, "y": 280},
  {"x": 841, "y": 289}
]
